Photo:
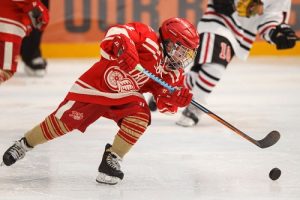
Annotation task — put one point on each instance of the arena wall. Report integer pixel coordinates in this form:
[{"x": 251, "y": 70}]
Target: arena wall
[{"x": 77, "y": 26}]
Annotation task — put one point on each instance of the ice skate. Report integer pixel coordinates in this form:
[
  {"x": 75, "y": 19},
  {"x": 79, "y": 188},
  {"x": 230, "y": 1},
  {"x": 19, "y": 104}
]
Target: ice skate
[
  {"x": 189, "y": 117},
  {"x": 16, "y": 152},
  {"x": 152, "y": 104},
  {"x": 110, "y": 169},
  {"x": 36, "y": 68}
]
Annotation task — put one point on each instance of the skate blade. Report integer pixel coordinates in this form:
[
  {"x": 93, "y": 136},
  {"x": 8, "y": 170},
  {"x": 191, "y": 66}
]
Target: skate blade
[
  {"x": 105, "y": 179},
  {"x": 187, "y": 122},
  {"x": 35, "y": 73}
]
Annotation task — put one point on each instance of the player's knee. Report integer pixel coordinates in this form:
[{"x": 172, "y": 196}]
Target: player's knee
[
  {"x": 133, "y": 126},
  {"x": 214, "y": 69},
  {"x": 53, "y": 127},
  {"x": 137, "y": 123},
  {"x": 131, "y": 129},
  {"x": 207, "y": 78}
]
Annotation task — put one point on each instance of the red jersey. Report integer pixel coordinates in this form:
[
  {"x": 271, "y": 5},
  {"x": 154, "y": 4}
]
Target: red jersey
[
  {"x": 13, "y": 19},
  {"x": 106, "y": 84}
]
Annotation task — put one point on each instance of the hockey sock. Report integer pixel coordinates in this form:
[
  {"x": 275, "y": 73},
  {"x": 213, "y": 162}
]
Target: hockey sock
[
  {"x": 132, "y": 127},
  {"x": 5, "y": 75},
  {"x": 203, "y": 82},
  {"x": 49, "y": 129}
]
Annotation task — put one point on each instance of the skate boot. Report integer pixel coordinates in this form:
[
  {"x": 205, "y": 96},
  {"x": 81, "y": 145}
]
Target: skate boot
[
  {"x": 110, "y": 169},
  {"x": 152, "y": 104},
  {"x": 36, "y": 68},
  {"x": 16, "y": 152},
  {"x": 190, "y": 116}
]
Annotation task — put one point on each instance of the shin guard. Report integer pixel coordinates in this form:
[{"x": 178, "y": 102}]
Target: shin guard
[
  {"x": 49, "y": 129},
  {"x": 132, "y": 127}
]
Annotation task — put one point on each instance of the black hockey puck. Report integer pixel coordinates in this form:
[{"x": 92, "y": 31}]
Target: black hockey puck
[{"x": 275, "y": 173}]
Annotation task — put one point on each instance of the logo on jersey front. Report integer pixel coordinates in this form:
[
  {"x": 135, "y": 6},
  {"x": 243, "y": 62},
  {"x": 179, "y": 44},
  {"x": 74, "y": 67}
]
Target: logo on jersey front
[{"x": 119, "y": 81}]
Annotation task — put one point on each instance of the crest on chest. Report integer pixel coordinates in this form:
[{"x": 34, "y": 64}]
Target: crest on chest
[{"x": 119, "y": 81}]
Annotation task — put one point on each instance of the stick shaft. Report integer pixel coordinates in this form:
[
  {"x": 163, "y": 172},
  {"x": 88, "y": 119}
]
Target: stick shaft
[
  {"x": 199, "y": 106},
  {"x": 225, "y": 123}
]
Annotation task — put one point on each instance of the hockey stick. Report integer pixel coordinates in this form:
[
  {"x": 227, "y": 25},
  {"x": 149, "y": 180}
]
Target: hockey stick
[{"x": 268, "y": 141}]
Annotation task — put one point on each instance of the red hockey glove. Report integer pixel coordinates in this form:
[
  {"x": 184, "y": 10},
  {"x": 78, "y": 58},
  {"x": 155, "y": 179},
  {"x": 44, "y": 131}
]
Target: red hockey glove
[
  {"x": 124, "y": 49},
  {"x": 38, "y": 15},
  {"x": 180, "y": 98},
  {"x": 165, "y": 107}
]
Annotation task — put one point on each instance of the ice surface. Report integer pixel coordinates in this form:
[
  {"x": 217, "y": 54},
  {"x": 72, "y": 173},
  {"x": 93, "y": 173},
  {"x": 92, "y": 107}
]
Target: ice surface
[{"x": 169, "y": 162}]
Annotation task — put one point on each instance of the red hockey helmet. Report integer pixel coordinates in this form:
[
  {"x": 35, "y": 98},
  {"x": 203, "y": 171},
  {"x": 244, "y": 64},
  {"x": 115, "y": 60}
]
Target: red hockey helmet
[{"x": 180, "y": 41}]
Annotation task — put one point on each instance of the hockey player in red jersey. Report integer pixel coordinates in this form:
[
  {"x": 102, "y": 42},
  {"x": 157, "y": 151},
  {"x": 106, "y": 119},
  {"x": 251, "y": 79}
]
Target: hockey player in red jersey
[
  {"x": 17, "y": 17},
  {"x": 113, "y": 89}
]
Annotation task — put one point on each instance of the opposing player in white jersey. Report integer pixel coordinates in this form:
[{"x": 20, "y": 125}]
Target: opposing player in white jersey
[{"x": 229, "y": 28}]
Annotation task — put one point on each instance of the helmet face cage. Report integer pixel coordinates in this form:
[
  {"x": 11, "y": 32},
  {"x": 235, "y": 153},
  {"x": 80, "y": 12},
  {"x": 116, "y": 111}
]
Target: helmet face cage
[
  {"x": 178, "y": 56},
  {"x": 180, "y": 40}
]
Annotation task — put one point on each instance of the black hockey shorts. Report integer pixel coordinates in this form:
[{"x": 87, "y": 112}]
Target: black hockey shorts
[{"x": 213, "y": 49}]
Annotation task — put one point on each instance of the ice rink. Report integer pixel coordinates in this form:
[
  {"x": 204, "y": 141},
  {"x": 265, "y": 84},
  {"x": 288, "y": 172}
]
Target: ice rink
[{"x": 208, "y": 162}]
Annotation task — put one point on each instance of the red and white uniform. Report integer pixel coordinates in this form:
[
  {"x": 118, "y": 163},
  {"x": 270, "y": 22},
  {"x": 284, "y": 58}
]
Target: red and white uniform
[
  {"x": 242, "y": 31},
  {"x": 118, "y": 92},
  {"x": 14, "y": 24}
]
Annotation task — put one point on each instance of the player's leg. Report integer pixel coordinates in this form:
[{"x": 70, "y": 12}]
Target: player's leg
[
  {"x": 9, "y": 52},
  {"x": 68, "y": 116},
  {"x": 35, "y": 64},
  {"x": 213, "y": 55},
  {"x": 131, "y": 129},
  {"x": 49, "y": 129}
]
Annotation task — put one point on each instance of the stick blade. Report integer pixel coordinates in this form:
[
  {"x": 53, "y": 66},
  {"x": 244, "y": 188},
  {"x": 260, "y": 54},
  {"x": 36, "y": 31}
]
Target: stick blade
[{"x": 271, "y": 139}]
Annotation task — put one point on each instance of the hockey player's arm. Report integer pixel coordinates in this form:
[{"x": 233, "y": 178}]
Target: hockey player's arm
[
  {"x": 125, "y": 52},
  {"x": 274, "y": 26},
  {"x": 117, "y": 45},
  {"x": 37, "y": 13}
]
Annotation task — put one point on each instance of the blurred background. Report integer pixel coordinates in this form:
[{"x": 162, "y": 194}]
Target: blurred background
[
  {"x": 206, "y": 162},
  {"x": 77, "y": 26}
]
